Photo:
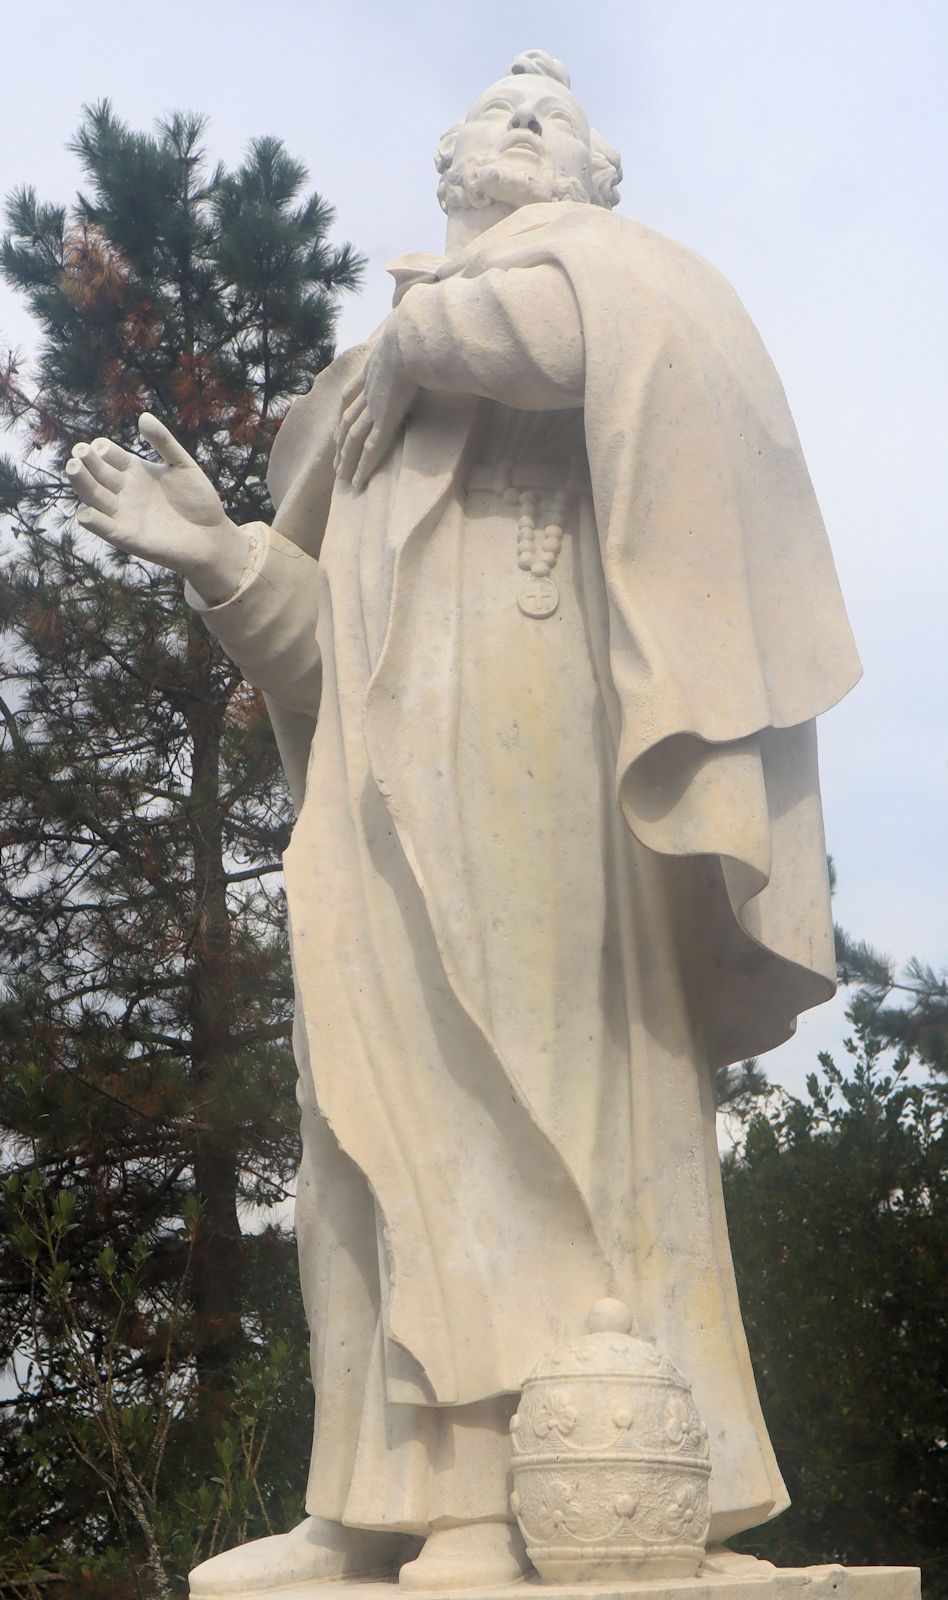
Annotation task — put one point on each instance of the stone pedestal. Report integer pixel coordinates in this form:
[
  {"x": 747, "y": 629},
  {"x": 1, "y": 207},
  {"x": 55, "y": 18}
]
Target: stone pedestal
[{"x": 789, "y": 1583}]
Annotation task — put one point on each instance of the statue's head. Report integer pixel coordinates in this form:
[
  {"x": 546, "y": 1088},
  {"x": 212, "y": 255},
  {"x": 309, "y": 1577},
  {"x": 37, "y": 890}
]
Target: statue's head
[{"x": 526, "y": 140}]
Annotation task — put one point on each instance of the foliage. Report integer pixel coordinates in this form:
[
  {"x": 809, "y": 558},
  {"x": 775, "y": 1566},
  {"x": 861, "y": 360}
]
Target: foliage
[
  {"x": 739, "y": 1088},
  {"x": 920, "y": 1023},
  {"x": 838, "y": 1212},
  {"x": 146, "y": 1080}
]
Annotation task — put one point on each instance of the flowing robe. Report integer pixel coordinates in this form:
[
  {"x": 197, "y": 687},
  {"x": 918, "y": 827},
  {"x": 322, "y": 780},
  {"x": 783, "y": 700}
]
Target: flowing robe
[{"x": 547, "y": 874}]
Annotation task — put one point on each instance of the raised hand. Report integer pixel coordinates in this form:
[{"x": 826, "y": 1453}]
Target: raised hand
[
  {"x": 169, "y": 513},
  {"x": 374, "y": 406}
]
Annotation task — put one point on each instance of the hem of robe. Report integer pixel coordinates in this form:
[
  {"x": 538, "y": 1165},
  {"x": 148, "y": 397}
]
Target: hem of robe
[{"x": 388, "y": 1466}]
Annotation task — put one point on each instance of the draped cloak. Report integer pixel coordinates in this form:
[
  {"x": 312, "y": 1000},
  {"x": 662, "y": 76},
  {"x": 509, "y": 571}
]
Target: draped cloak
[{"x": 720, "y": 635}]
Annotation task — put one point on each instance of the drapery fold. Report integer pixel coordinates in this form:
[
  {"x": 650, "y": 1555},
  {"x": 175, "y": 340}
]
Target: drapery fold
[
  {"x": 709, "y": 635},
  {"x": 727, "y": 628}
]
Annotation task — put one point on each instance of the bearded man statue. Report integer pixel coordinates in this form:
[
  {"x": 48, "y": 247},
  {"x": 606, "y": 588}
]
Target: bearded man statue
[{"x": 548, "y": 564}]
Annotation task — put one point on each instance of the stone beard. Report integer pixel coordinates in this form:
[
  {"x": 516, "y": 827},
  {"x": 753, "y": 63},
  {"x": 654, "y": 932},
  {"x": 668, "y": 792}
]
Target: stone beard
[
  {"x": 556, "y": 860},
  {"x": 472, "y": 184}
]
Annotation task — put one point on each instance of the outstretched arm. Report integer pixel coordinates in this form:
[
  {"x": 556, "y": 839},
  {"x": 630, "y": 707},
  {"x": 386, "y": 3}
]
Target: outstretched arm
[{"x": 257, "y": 591}]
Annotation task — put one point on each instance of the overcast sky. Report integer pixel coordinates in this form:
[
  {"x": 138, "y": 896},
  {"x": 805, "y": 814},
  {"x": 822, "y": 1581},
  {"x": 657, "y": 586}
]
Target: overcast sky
[{"x": 800, "y": 146}]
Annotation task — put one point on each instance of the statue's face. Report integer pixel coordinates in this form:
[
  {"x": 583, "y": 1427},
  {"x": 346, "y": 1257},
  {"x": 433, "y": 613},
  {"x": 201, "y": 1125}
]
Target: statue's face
[{"x": 525, "y": 140}]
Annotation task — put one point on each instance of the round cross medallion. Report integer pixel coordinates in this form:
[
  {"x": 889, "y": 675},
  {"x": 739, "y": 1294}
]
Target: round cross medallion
[{"x": 538, "y": 597}]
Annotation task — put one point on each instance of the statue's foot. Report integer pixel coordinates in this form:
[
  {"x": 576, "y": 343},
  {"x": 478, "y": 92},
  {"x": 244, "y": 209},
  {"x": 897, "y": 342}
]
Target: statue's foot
[
  {"x": 719, "y": 1561},
  {"x": 472, "y": 1555},
  {"x": 315, "y": 1552}
]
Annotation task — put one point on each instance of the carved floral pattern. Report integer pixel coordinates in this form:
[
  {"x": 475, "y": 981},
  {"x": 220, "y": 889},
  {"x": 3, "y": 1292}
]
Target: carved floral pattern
[
  {"x": 553, "y": 1506},
  {"x": 647, "y": 1507},
  {"x": 657, "y": 1417},
  {"x": 554, "y": 1415},
  {"x": 683, "y": 1426},
  {"x": 676, "y": 1417},
  {"x": 687, "y": 1513}
]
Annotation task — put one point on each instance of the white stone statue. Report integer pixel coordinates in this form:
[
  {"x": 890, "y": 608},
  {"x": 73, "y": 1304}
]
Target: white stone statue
[{"x": 547, "y": 563}]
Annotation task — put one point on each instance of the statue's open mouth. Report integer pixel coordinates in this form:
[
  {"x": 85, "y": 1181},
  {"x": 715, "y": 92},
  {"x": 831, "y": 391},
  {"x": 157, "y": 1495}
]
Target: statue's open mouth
[{"x": 521, "y": 140}]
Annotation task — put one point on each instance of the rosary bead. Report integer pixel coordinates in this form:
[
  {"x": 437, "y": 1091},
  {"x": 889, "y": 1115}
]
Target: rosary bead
[{"x": 539, "y": 528}]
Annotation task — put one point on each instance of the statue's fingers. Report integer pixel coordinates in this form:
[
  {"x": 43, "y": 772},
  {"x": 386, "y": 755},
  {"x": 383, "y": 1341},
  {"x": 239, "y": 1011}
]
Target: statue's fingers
[
  {"x": 88, "y": 488},
  {"x": 352, "y": 411},
  {"x": 97, "y": 522},
  {"x": 373, "y": 450},
  {"x": 161, "y": 439},
  {"x": 351, "y": 450},
  {"x": 114, "y": 454},
  {"x": 351, "y": 414},
  {"x": 96, "y": 462},
  {"x": 109, "y": 451},
  {"x": 353, "y": 388}
]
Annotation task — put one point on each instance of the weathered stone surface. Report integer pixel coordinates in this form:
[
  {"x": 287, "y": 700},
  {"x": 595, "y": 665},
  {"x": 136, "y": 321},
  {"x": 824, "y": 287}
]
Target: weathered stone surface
[
  {"x": 547, "y": 563},
  {"x": 790, "y": 1583}
]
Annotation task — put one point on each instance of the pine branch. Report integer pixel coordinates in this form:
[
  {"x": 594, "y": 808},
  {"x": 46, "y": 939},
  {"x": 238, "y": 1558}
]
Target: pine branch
[
  {"x": 859, "y": 962},
  {"x": 254, "y": 872}
]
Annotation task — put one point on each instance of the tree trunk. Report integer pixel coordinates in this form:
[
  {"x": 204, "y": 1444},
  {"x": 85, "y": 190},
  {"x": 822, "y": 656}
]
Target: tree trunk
[{"x": 218, "y": 1257}]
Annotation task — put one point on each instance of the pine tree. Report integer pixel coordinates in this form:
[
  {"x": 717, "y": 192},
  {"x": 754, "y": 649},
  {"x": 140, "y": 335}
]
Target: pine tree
[
  {"x": 146, "y": 1079},
  {"x": 907, "y": 1010},
  {"x": 837, "y": 1207}
]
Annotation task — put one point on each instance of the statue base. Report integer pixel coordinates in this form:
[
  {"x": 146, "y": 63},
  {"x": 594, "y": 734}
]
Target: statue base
[{"x": 783, "y": 1583}]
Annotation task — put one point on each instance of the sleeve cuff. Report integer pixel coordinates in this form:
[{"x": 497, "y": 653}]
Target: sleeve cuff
[
  {"x": 257, "y": 532},
  {"x": 268, "y": 625}
]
